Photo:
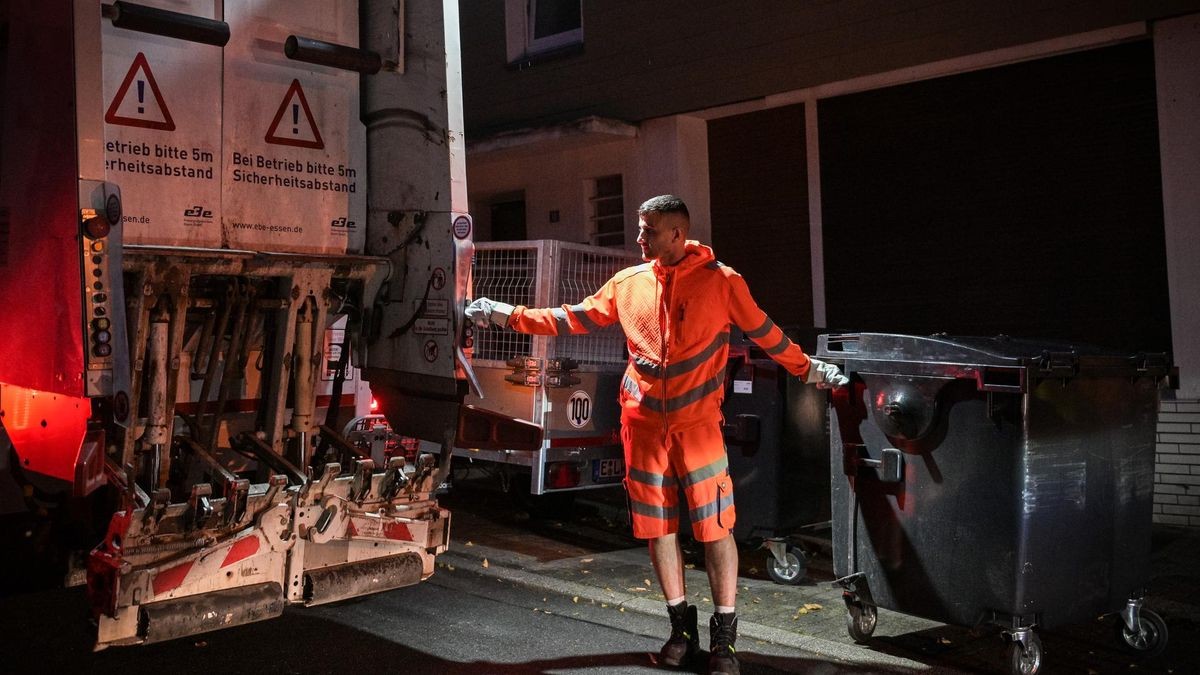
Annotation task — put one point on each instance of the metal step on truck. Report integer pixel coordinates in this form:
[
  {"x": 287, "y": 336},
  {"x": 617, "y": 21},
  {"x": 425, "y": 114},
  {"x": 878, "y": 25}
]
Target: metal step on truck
[
  {"x": 193, "y": 192},
  {"x": 567, "y": 385}
]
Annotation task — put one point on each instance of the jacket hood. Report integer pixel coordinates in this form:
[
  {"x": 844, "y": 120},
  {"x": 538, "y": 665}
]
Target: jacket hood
[{"x": 695, "y": 255}]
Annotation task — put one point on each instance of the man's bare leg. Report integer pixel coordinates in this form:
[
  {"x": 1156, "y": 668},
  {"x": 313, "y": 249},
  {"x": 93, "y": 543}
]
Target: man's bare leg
[
  {"x": 721, "y": 561},
  {"x": 667, "y": 558}
]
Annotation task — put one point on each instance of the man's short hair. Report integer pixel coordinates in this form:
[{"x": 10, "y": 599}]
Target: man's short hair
[{"x": 663, "y": 204}]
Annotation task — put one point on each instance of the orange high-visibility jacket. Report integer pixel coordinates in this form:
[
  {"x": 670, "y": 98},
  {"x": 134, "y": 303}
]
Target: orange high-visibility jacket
[{"x": 677, "y": 321}]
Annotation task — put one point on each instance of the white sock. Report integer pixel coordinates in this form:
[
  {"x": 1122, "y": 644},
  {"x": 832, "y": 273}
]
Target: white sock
[
  {"x": 676, "y": 601},
  {"x": 725, "y": 610}
]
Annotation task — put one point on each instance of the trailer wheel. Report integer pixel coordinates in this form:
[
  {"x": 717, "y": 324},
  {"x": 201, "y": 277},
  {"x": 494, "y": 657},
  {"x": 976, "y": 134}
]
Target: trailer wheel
[
  {"x": 791, "y": 570},
  {"x": 1151, "y": 638},
  {"x": 1025, "y": 659},
  {"x": 860, "y": 621}
]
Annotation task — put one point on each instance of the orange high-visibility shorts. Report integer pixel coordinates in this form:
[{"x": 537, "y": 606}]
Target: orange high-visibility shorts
[{"x": 657, "y": 463}]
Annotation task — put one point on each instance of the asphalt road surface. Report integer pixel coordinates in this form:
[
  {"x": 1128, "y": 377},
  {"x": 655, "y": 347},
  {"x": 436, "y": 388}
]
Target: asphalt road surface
[{"x": 458, "y": 622}]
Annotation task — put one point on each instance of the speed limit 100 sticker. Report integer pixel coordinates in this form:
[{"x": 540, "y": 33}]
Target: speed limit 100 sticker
[{"x": 579, "y": 409}]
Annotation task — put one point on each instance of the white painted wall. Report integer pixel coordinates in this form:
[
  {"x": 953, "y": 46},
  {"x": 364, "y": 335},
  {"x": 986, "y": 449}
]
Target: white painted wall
[
  {"x": 1176, "y": 59},
  {"x": 552, "y": 181},
  {"x": 673, "y": 159},
  {"x": 669, "y": 155}
]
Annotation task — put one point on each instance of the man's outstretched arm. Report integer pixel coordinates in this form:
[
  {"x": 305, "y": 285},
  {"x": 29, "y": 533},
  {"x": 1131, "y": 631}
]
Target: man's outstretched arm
[
  {"x": 762, "y": 330},
  {"x": 594, "y": 312}
]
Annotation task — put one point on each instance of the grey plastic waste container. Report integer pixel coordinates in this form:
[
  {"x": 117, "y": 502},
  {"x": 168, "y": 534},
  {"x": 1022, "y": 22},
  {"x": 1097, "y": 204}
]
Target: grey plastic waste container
[
  {"x": 997, "y": 480},
  {"x": 776, "y": 437}
]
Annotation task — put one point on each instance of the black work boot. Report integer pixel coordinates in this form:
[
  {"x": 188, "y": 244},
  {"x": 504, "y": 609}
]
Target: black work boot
[
  {"x": 684, "y": 643},
  {"x": 722, "y": 632}
]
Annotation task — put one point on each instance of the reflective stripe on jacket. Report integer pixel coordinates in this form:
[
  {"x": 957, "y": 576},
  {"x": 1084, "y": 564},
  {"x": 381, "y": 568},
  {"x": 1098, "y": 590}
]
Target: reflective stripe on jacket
[{"x": 677, "y": 321}]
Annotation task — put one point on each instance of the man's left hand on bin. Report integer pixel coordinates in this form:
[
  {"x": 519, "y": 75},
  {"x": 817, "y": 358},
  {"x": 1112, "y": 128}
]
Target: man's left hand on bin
[
  {"x": 483, "y": 312},
  {"x": 825, "y": 375}
]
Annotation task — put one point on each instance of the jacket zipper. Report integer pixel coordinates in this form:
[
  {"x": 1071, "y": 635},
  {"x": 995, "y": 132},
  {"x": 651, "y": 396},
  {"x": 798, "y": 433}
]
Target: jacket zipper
[{"x": 663, "y": 333}]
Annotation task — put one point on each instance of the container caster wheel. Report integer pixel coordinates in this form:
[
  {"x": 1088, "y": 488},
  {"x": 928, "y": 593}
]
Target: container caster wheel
[
  {"x": 1151, "y": 638},
  {"x": 789, "y": 570},
  {"x": 1025, "y": 654},
  {"x": 860, "y": 621}
]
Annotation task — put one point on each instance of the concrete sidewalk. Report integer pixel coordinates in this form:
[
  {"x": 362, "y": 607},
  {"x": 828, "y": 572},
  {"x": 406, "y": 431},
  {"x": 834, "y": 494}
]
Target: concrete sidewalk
[
  {"x": 811, "y": 616},
  {"x": 619, "y": 580}
]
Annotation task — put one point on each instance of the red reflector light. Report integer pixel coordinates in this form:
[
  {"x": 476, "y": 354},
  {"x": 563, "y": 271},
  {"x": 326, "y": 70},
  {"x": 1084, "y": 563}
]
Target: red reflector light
[{"x": 562, "y": 475}]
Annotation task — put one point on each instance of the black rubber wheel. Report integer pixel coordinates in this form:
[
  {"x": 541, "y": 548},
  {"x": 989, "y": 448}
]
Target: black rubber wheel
[
  {"x": 1151, "y": 640},
  {"x": 860, "y": 621},
  {"x": 1025, "y": 659},
  {"x": 791, "y": 570}
]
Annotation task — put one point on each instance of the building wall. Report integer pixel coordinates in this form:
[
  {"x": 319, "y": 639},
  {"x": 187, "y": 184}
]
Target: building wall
[
  {"x": 1177, "y": 464},
  {"x": 552, "y": 181},
  {"x": 1177, "y": 62},
  {"x": 689, "y": 71},
  {"x": 668, "y": 155},
  {"x": 643, "y": 60}
]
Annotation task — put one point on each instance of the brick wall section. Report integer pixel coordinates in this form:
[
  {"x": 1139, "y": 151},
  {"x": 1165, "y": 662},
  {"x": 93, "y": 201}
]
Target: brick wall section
[{"x": 1177, "y": 464}]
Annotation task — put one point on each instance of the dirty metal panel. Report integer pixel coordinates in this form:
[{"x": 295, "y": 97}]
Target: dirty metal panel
[
  {"x": 162, "y": 130},
  {"x": 294, "y": 150}
]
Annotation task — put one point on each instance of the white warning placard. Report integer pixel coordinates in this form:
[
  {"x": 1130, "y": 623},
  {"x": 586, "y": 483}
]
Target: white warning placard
[
  {"x": 162, "y": 131},
  {"x": 294, "y": 174}
]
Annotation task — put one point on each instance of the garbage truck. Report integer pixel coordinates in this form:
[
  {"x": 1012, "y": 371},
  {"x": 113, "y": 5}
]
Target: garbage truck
[{"x": 194, "y": 192}]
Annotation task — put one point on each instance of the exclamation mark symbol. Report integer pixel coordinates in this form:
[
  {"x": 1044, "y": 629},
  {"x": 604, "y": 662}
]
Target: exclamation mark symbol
[
  {"x": 141, "y": 95},
  {"x": 295, "y": 118}
]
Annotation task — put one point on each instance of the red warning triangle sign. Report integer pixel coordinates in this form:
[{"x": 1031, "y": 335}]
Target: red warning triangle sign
[
  {"x": 291, "y": 128},
  {"x": 140, "y": 110}
]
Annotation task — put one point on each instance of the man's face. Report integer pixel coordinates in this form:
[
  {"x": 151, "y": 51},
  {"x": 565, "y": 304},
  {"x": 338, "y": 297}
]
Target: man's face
[{"x": 660, "y": 237}]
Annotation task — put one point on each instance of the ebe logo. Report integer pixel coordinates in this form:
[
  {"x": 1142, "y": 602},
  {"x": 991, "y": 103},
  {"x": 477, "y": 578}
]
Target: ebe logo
[
  {"x": 343, "y": 224},
  {"x": 197, "y": 215}
]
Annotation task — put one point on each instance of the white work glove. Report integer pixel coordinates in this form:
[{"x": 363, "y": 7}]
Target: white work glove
[
  {"x": 483, "y": 312},
  {"x": 825, "y": 375}
]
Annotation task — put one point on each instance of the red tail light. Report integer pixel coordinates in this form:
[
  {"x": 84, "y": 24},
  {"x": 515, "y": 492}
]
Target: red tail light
[{"x": 562, "y": 475}]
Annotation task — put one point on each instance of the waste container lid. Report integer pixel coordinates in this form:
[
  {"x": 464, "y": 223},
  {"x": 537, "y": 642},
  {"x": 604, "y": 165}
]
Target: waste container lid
[{"x": 1001, "y": 350}]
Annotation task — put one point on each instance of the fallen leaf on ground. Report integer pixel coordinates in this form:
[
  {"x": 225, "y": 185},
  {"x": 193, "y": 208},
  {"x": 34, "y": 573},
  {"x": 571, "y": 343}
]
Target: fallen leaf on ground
[
  {"x": 485, "y": 563},
  {"x": 812, "y": 606}
]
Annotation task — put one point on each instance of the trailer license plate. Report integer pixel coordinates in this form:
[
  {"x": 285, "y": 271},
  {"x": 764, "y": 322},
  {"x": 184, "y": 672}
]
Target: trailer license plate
[{"x": 608, "y": 470}]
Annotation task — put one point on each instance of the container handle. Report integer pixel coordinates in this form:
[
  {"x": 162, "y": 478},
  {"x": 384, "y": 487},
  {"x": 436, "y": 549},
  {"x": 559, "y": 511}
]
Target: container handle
[
  {"x": 1007, "y": 380},
  {"x": 845, "y": 342}
]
